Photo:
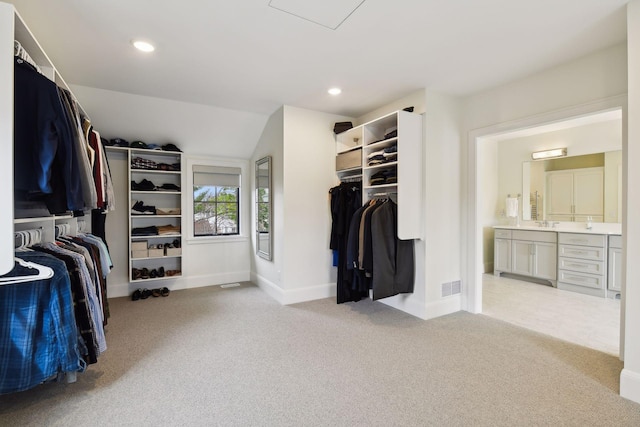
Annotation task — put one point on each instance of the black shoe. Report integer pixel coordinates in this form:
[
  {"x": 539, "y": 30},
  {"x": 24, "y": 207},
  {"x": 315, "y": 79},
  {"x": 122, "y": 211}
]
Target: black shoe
[
  {"x": 140, "y": 209},
  {"x": 169, "y": 187},
  {"x": 144, "y": 185},
  {"x": 137, "y": 294}
]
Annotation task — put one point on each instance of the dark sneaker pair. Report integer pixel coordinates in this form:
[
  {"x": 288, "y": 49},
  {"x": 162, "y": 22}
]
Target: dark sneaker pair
[
  {"x": 144, "y": 185},
  {"x": 140, "y": 209}
]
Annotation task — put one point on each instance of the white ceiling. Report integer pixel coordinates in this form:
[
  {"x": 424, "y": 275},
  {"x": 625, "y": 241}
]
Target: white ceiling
[{"x": 245, "y": 55}]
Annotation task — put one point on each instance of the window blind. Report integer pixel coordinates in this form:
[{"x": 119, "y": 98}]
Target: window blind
[{"x": 216, "y": 175}]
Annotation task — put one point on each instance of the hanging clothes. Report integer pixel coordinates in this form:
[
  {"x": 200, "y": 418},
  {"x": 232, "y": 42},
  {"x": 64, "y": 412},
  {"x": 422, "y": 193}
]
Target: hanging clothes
[
  {"x": 55, "y": 161},
  {"x": 44, "y": 165},
  {"x": 346, "y": 199},
  {"x": 393, "y": 260},
  {"x": 42, "y": 341},
  {"x": 376, "y": 259}
]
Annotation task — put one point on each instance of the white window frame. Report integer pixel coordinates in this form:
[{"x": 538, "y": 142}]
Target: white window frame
[{"x": 244, "y": 202}]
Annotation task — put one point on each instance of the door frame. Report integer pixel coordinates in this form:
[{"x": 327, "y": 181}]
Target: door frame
[{"x": 472, "y": 295}]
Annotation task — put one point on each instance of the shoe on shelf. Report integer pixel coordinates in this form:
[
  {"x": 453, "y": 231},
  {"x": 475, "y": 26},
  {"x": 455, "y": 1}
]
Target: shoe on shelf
[
  {"x": 144, "y": 273},
  {"x": 169, "y": 187},
  {"x": 140, "y": 209},
  {"x": 144, "y": 185},
  {"x": 161, "y": 272}
]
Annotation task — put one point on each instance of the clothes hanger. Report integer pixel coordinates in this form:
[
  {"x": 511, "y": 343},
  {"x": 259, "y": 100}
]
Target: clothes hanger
[
  {"x": 41, "y": 272},
  {"x": 28, "y": 238}
]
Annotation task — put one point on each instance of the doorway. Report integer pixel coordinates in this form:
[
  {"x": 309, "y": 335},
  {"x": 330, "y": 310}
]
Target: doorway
[{"x": 480, "y": 181}]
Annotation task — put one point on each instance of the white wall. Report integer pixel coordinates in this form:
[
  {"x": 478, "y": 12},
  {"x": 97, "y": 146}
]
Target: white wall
[
  {"x": 268, "y": 274},
  {"x": 613, "y": 186},
  {"x": 630, "y": 377},
  {"x": 196, "y": 129},
  {"x": 442, "y": 168},
  {"x": 596, "y": 76},
  {"x": 562, "y": 92},
  {"x": 415, "y": 99},
  {"x": 488, "y": 158},
  {"x": 309, "y": 173},
  {"x": 205, "y": 134},
  {"x": 302, "y": 145}
]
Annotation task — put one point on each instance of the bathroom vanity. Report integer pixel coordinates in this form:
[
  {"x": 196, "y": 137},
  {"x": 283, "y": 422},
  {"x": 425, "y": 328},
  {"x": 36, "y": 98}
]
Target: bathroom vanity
[{"x": 568, "y": 257}]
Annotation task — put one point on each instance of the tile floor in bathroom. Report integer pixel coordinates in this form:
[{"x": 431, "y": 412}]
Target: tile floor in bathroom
[{"x": 581, "y": 319}]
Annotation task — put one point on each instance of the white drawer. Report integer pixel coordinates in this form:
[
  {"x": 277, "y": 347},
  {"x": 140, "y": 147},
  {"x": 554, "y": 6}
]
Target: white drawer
[
  {"x": 536, "y": 236},
  {"x": 502, "y": 234},
  {"x": 580, "y": 265},
  {"x": 581, "y": 252},
  {"x": 583, "y": 239},
  {"x": 594, "y": 281},
  {"x": 615, "y": 242}
]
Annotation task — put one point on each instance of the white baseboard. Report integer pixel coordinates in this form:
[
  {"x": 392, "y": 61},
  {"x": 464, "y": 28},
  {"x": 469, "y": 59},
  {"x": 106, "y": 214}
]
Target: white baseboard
[
  {"x": 448, "y": 305},
  {"x": 416, "y": 308},
  {"x": 186, "y": 282},
  {"x": 407, "y": 303},
  {"x": 293, "y": 296},
  {"x": 630, "y": 385},
  {"x": 270, "y": 288}
]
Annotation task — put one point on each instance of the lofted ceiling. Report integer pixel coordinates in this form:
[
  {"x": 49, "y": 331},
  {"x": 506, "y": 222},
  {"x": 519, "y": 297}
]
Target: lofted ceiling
[{"x": 246, "y": 55}]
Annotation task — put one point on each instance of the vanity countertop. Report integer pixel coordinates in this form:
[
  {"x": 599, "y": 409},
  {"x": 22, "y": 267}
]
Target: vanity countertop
[{"x": 572, "y": 227}]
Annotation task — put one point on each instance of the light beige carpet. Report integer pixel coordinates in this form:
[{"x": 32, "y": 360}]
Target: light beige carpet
[{"x": 213, "y": 357}]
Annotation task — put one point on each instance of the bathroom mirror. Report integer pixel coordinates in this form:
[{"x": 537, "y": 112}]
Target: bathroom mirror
[
  {"x": 594, "y": 180},
  {"x": 263, "y": 208}
]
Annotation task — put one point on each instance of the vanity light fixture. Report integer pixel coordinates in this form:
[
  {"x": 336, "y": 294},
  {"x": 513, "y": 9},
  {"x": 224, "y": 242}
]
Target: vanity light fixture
[
  {"x": 335, "y": 91},
  {"x": 143, "y": 46},
  {"x": 549, "y": 154}
]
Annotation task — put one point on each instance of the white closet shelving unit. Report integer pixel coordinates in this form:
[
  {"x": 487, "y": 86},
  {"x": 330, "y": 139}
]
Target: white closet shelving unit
[
  {"x": 369, "y": 138},
  {"x": 13, "y": 27},
  {"x": 143, "y": 250}
]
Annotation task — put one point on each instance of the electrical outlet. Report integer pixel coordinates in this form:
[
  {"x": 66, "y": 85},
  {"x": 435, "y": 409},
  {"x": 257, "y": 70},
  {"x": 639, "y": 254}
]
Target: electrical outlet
[
  {"x": 446, "y": 289},
  {"x": 456, "y": 287}
]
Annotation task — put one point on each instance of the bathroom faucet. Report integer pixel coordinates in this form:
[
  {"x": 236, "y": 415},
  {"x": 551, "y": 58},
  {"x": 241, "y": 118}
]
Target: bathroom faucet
[{"x": 544, "y": 223}]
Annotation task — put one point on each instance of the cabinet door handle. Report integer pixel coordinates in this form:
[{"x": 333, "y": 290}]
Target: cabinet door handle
[
  {"x": 575, "y": 265},
  {"x": 577, "y": 252}
]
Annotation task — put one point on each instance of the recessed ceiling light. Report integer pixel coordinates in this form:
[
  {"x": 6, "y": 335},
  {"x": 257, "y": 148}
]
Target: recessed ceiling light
[
  {"x": 335, "y": 91},
  {"x": 143, "y": 46}
]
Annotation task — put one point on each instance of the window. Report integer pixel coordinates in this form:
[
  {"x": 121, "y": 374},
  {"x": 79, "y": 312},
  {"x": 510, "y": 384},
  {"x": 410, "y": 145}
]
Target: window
[{"x": 216, "y": 201}]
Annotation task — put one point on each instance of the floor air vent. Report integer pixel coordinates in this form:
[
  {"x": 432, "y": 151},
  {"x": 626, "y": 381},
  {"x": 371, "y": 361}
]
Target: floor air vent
[{"x": 230, "y": 285}]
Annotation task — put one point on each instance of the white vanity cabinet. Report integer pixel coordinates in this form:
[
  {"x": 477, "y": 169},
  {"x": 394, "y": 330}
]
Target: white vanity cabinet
[
  {"x": 582, "y": 263},
  {"x": 526, "y": 253},
  {"x": 502, "y": 252},
  {"x": 614, "y": 282},
  {"x": 534, "y": 253}
]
